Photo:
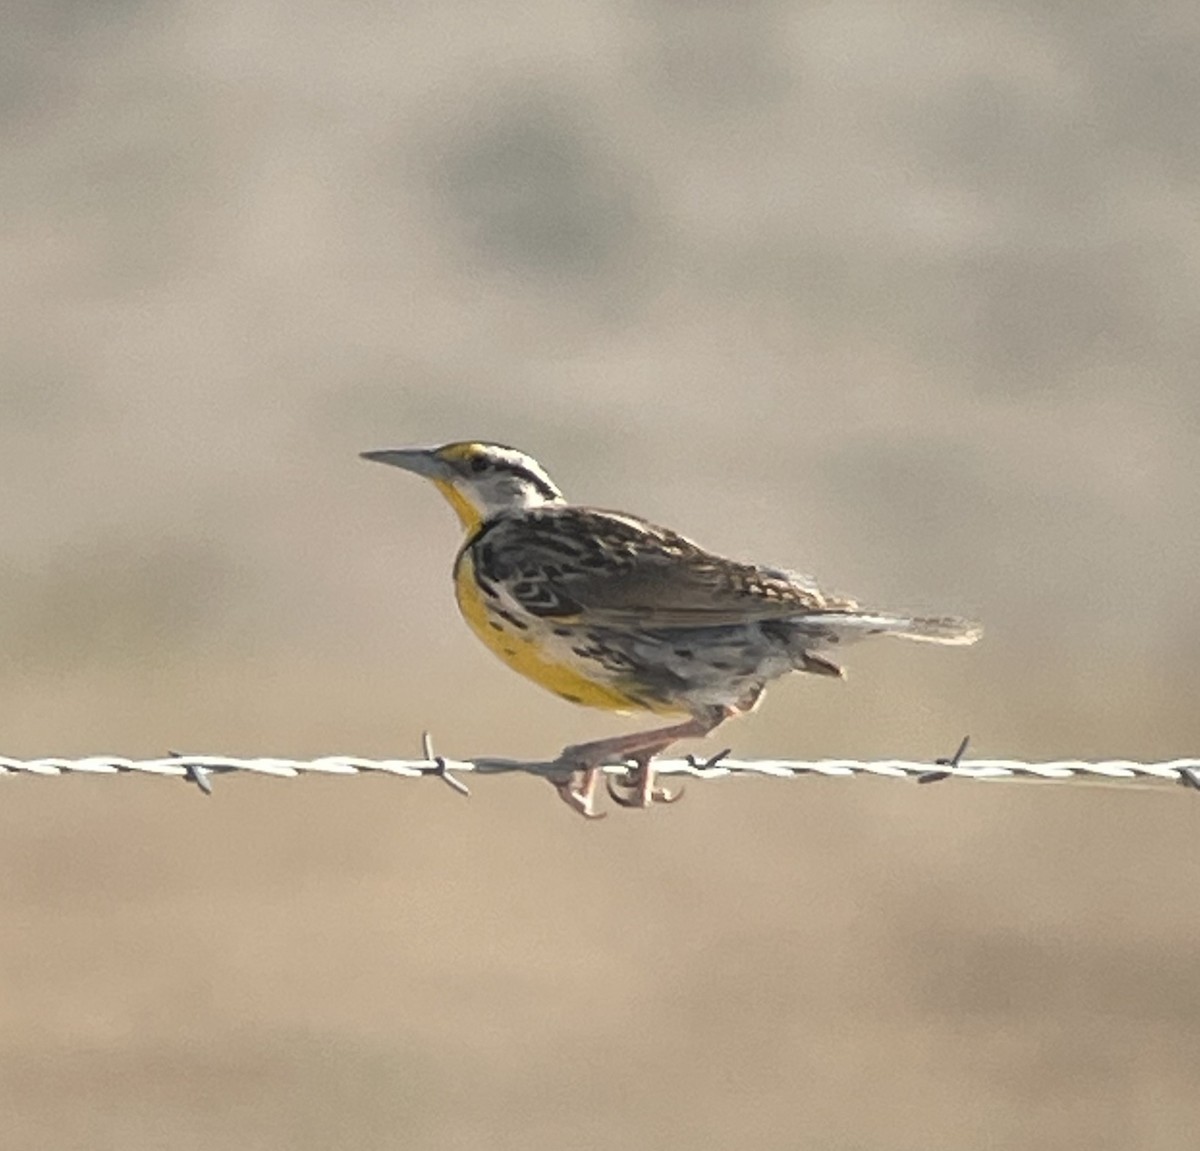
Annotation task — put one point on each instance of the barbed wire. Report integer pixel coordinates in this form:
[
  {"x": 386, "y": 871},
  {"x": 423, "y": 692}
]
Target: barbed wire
[{"x": 200, "y": 769}]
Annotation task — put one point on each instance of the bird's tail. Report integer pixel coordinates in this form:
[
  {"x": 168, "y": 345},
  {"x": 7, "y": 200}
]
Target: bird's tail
[{"x": 845, "y": 626}]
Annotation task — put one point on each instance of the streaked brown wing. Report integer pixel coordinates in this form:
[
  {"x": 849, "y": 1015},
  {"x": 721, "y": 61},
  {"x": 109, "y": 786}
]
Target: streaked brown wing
[{"x": 607, "y": 568}]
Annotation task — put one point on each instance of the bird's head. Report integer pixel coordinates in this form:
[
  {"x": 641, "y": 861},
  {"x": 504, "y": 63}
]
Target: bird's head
[{"x": 479, "y": 480}]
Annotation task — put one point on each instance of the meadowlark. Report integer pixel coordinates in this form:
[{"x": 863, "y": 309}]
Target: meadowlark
[{"x": 608, "y": 610}]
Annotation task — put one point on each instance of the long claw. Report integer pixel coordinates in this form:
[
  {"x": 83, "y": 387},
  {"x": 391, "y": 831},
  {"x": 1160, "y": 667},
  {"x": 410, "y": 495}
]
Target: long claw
[
  {"x": 579, "y": 804},
  {"x": 635, "y": 780},
  {"x": 621, "y": 800},
  {"x": 577, "y": 801}
]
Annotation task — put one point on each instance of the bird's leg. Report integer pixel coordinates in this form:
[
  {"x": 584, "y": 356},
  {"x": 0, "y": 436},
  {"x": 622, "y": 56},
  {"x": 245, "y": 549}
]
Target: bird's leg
[
  {"x": 583, "y": 798},
  {"x": 638, "y": 783},
  {"x": 639, "y": 746}
]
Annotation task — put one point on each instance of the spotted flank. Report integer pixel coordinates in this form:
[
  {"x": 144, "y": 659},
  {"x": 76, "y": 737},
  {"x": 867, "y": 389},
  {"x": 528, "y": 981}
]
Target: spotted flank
[{"x": 614, "y": 612}]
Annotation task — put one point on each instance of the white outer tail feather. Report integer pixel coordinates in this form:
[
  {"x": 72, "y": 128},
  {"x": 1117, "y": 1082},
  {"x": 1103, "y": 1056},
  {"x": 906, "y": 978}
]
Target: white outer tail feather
[{"x": 846, "y": 626}]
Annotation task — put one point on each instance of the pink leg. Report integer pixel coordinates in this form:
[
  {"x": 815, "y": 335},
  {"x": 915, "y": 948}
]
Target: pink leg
[
  {"x": 640, "y": 746},
  {"x": 583, "y": 798}
]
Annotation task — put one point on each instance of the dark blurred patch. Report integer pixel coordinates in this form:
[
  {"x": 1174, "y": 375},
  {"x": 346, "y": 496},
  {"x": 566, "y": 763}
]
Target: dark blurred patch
[
  {"x": 129, "y": 206},
  {"x": 368, "y": 1089},
  {"x": 71, "y": 18},
  {"x": 920, "y": 500},
  {"x": 977, "y": 125},
  {"x": 535, "y": 186},
  {"x": 1013, "y": 147},
  {"x": 44, "y": 390},
  {"x": 966, "y": 973},
  {"x": 29, "y": 90},
  {"x": 1041, "y": 312},
  {"x": 141, "y": 193},
  {"x": 43, "y": 44},
  {"x": 102, "y": 601},
  {"x": 719, "y": 59},
  {"x": 372, "y": 393},
  {"x": 1147, "y": 85}
]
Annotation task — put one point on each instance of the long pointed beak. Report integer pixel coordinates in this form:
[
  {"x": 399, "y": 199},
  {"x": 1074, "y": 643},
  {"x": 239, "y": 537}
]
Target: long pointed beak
[{"x": 421, "y": 461}]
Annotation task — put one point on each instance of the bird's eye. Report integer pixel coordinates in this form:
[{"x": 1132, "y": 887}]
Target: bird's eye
[{"x": 479, "y": 464}]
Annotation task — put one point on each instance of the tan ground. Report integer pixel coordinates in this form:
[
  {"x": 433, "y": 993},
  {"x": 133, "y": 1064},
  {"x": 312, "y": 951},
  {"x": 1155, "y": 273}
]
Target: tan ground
[{"x": 906, "y": 299}]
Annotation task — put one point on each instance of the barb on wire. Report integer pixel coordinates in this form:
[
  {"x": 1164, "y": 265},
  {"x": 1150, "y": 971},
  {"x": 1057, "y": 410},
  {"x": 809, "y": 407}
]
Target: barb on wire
[
  {"x": 201, "y": 769},
  {"x": 950, "y": 763},
  {"x": 439, "y": 766},
  {"x": 1190, "y": 777},
  {"x": 197, "y": 774}
]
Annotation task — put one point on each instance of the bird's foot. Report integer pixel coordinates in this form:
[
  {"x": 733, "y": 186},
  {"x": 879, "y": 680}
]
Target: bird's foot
[
  {"x": 578, "y": 792},
  {"x": 636, "y": 787}
]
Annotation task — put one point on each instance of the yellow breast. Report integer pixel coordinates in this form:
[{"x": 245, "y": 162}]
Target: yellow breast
[{"x": 529, "y": 653}]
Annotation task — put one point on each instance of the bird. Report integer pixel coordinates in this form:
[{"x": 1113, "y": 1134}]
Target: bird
[{"x": 611, "y": 611}]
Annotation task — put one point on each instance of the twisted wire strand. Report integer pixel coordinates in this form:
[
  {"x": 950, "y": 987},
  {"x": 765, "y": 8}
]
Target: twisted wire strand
[{"x": 199, "y": 769}]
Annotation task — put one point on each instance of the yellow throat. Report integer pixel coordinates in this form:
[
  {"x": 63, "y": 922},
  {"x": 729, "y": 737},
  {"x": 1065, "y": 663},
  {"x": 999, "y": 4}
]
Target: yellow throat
[{"x": 466, "y": 511}]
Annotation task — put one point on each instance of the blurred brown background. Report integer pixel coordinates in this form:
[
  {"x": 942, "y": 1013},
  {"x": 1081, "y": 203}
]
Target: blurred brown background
[{"x": 906, "y": 296}]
